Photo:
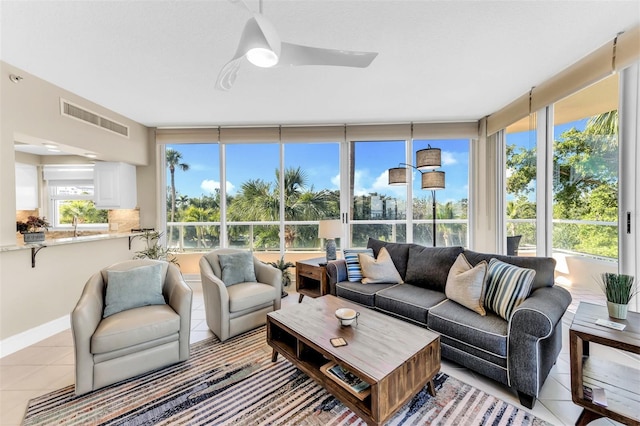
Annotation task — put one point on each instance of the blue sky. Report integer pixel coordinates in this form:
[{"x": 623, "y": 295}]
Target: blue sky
[{"x": 320, "y": 163}]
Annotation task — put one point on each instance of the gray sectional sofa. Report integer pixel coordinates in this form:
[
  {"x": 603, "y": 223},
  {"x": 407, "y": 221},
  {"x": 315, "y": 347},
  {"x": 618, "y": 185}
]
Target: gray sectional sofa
[{"x": 518, "y": 353}]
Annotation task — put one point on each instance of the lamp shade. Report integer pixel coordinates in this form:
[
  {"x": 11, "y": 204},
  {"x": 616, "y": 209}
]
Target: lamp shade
[
  {"x": 398, "y": 176},
  {"x": 428, "y": 158},
  {"x": 330, "y": 228},
  {"x": 433, "y": 180}
]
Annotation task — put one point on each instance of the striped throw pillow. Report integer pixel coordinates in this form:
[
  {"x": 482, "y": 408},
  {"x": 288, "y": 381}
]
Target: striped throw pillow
[
  {"x": 354, "y": 271},
  {"x": 508, "y": 286}
]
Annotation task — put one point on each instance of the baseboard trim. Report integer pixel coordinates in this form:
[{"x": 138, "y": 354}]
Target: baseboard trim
[{"x": 27, "y": 338}]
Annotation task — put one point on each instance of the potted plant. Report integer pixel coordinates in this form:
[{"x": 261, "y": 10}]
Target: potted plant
[
  {"x": 619, "y": 289},
  {"x": 33, "y": 228},
  {"x": 154, "y": 249},
  {"x": 286, "y": 275}
]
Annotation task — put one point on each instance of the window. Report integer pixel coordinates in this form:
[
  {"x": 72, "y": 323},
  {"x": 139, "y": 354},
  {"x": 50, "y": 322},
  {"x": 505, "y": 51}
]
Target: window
[
  {"x": 70, "y": 189},
  {"x": 378, "y": 210},
  {"x": 452, "y": 202},
  {"x": 585, "y": 171},
  {"x": 253, "y": 198},
  {"x": 311, "y": 191},
  {"x": 193, "y": 196},
  {"x": 521, "y": 182}
]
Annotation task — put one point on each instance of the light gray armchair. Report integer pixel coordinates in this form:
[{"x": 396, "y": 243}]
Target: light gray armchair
[
  {"x": 234, "y": 309},
  {"x": 133, "y": 341}
]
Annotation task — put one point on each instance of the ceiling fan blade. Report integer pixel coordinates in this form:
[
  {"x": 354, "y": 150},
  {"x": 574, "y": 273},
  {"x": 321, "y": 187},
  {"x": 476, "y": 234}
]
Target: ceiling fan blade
[
  {"x": 295, "y": 54},
  {"x": 241, "y": 4},
  {"x": 228, "y": 74}
]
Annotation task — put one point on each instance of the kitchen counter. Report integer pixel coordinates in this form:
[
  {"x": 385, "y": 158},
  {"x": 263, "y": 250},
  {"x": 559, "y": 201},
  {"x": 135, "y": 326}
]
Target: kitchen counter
[{"x": 69, "y": 240}]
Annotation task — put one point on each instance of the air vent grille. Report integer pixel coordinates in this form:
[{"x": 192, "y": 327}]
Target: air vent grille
[{"x": 74, "y": 111}]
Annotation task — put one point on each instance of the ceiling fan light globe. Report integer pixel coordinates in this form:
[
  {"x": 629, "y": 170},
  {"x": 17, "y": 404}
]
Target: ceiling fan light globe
[{"x": 262, "y": 57}]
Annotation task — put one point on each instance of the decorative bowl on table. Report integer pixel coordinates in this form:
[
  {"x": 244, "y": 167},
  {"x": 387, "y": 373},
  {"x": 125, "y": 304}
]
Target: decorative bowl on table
[{"x": 347, "y": 316}]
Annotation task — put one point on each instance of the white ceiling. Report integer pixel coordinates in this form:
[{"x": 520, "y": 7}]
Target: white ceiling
[{"x": 156, "y": 62}]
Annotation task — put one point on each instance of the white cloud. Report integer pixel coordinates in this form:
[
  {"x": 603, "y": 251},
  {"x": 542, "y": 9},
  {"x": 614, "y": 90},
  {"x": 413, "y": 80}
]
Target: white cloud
[
  {"x": 336, "y": 181},
  {"x": 448, "y": 158},
  {"x": 210, "y": 186}
]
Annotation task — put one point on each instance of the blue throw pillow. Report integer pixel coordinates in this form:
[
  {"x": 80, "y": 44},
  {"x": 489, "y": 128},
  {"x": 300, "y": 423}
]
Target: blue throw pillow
[
  {"x": 354, "y": 271},
  {"x": 133, "y": 288},
  {"x": 237, "y": 268}
]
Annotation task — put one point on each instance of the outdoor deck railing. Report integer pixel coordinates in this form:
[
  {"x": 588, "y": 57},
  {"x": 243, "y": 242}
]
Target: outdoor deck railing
[{"x": 202, "y": 236}]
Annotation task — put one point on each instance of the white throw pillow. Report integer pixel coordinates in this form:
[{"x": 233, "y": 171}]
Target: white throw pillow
[
  {"x": 466, "y": 284},
  {"x": 380, "y": 270}
]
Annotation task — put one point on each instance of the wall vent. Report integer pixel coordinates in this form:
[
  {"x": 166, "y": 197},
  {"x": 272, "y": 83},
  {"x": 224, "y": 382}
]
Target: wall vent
[{"x": 74, "y": 111}]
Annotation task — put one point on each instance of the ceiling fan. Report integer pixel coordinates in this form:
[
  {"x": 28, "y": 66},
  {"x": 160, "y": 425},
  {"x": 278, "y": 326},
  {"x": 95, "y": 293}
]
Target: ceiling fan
[{"x": 261, "y": 46}]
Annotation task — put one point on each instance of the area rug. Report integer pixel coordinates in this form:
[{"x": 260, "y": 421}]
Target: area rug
[{"x": 236, "y": 383}]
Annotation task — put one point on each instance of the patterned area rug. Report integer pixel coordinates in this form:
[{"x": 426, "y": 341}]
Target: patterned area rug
[{"x": 236, "y": 383}]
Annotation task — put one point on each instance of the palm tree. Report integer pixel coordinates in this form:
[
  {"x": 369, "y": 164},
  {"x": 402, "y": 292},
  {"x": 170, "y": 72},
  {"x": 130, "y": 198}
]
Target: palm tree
[
  {"x": 603, "y": 124},
  {"x": 260, "y": 201},
  {"x": 174, "y": 159}
]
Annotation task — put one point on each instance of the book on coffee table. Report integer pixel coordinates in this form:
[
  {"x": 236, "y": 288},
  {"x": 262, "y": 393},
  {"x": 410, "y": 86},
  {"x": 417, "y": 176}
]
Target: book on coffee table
[{"x": 354, "y": 384}]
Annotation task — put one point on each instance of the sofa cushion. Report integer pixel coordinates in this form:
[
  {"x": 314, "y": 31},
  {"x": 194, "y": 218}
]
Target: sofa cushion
[
  {"x": 428, "y": 267},
  {"x": 380, "y": 270},
  {"x": 250, "y": 294},
  {"x": 466, "y": 284},
  {"x": 508, "y": 286},
  {"x": 363, "y": 294},
  {"x": 354, "y": 271},
  {"x": 544, "y": 266},
  {"x": 133, "y": 327},
  {"x": 485, "y": 333},
  {"x": 408, "y": 301},
  {"x": 133, "y": 288},
  {"x": 236, "y": 267},
  {"x": 399, "y": 253}
]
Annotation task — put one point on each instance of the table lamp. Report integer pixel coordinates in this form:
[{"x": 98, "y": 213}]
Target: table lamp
[{"x": 329, "y": 230}]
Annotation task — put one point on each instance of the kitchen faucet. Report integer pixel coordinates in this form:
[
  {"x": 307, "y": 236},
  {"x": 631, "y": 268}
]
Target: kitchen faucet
[{"x": 74, "y": 222}]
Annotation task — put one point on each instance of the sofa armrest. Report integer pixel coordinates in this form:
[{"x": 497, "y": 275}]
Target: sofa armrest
[
  {"x": 179, "y": 296},
  {"x": 85, "y": 318},
  {"x": 337, "y": 272},
  {"x": 533, "y": 321}
]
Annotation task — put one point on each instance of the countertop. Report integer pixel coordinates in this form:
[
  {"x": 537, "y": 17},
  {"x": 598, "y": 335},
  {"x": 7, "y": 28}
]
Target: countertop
[{"x": 69, "y": 240}]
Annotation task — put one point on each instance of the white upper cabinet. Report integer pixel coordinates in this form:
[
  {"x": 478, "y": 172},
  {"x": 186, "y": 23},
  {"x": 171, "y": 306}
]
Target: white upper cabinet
[
  {"x": 115, "y": 185},
  {"x": 26, "y": 187}
]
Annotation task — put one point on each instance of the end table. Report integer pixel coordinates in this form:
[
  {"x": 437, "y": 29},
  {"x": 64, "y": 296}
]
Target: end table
[
  {"x": 311, "y": 278},
  {"x": 619, "y": 381}
]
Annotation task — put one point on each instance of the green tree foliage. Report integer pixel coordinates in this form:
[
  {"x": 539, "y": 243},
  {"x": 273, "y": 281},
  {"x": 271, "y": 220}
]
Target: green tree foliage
[
  {"x": 585, "y": 187},
  {"x": 84, "y": 210},
  {"x": 174, "y": 159},
  {"x": 259, "y": 200}
]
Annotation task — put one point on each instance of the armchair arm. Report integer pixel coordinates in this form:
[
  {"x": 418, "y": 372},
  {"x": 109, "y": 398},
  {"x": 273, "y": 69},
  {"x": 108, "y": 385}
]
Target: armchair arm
[
  {"x": 337, "y": 271},
  {"x": 85, "y": 318},
  {"x": 216, "y": 300},
  {"x": 267, "y": 274},
  {"x": 530, "y": 357},
  {"x": 179, "y": 296}
]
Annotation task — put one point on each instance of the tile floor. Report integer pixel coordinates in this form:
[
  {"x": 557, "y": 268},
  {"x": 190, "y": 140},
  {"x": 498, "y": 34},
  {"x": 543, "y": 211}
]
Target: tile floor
[{"x": 49, "y": 365}]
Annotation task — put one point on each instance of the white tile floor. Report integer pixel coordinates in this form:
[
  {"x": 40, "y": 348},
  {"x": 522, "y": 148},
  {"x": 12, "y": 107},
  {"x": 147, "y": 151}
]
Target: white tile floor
[{"x": 49, "y": 365}]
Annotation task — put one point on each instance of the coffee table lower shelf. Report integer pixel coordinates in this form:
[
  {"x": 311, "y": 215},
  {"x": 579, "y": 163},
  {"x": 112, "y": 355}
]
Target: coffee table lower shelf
[{"x": 385, "y": 396}]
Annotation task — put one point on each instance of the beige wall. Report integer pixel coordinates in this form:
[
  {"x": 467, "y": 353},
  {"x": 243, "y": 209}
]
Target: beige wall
[
  {"x": 30, "y": 111},
  {"x": 31, "y": 297}
]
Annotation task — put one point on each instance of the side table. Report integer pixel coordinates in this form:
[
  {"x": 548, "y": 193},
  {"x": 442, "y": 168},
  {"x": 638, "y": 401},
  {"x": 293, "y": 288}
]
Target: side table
[
  {"x": 311, "y": 278},
  {"x": 621, "y": 382}
]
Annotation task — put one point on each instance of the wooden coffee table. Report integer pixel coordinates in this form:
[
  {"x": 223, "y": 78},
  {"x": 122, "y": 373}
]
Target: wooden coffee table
[{"x": 395, "y": 357}]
